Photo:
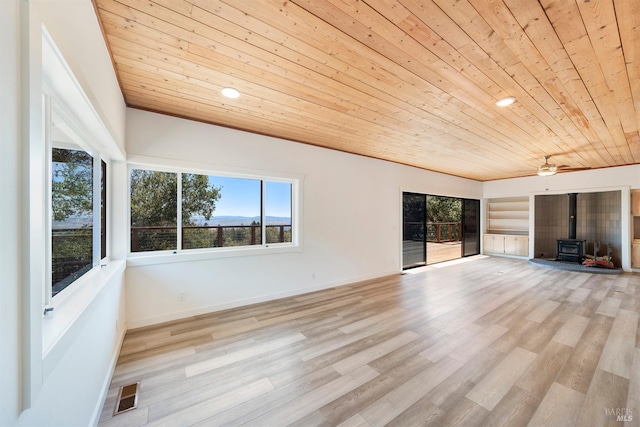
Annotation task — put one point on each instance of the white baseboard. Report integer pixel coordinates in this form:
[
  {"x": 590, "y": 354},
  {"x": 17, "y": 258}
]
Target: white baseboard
[{"x": 95, "y": 417}]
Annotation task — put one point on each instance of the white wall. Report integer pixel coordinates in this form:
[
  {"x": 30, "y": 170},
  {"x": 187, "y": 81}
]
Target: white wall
[
  {"x": 9, "y": 213},
  {"x": 74, "y": 26},
  {"x": 351, "y": 218},
  {"x": 65, "y": 386}
]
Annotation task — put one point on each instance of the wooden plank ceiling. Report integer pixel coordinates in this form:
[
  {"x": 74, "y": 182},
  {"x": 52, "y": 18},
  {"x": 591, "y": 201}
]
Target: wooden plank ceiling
[{"x": 409, "y": 81}]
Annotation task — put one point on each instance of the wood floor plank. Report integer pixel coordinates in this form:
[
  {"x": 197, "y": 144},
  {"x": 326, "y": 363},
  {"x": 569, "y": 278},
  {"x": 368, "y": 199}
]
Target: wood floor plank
[
  {"x": 618, "y": 352},
  {"x": 587, "y": 308},
  {"x": 445, "y": 346},
  {"x": 398, "y": 400},
  {"x": 633, "y": 395},
  {"x": 137, "y": 367},
  {"x": 488, "y": 341},
  {"x": 579, "y": 295},
  {"x": 515, "y": 409},
  {"x": 342, "y": 341},
  {"x": 473, "y": 346},
  {"x": 634, "y": 382},
  {"x": 494, "y": 315},
  {"x": 537, "y": 379},
  {"x": 282, "y": 395},
  {"x": 362, "y": 358},
  {"x": 457, "y": 385},
  {"x": 371, "y": 320},
  {"x": 314, "y": 419},
  {"x": 203, "y": 410},
  {"x": 423, "y": 412},
  {"x": 217, "y": 362},
  {"x": 355, "y": 421},
  {"x": 576, "y": 280},
  {"x": 467, "y": 414},
  {"x": 431, "y": 408},
  {"x": 540, "y": 337},
  {"x": 560, "y": 407},
  {"x": 135, "y": 418},
  {"x": 606, "y": 392},
  {"x": 571, "y": 331},
  {"x": 317, "y": 398},
  {"x": 353, "y": 402},
  {"x": 600, "y": 292},
  {"x": 579, "y": 369},
  {"x": 492, "y": 388},
  {"x": 517, "y": 333},
  {"x": 609, "y": 307},
  {"x": 543, "y": 311}
]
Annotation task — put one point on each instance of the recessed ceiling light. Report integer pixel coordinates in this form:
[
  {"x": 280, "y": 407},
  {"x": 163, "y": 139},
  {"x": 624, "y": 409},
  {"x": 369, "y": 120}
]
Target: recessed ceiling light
[
  {"x": 230, "y": 92},
  {"x": 505, "y": 101}
]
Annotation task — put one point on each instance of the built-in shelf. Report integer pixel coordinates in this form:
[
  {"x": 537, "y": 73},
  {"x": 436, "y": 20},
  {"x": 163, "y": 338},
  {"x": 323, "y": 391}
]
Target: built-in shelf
[
  {"x": 507, "y": 231},
  {"x": 508, "y": 216}
]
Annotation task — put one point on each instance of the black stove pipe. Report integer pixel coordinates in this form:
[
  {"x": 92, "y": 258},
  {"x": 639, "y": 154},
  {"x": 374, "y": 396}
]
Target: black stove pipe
[{"x": 573, "y": 209}]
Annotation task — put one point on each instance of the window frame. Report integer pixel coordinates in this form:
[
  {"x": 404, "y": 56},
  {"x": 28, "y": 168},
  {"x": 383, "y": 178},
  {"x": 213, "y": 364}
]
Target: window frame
[
  {"x": 52, "y": 104},
  {"x": 180, "y": 255}
]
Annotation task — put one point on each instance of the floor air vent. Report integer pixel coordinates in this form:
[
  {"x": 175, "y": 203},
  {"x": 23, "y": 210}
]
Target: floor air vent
[{"x": 127, "y": 398}]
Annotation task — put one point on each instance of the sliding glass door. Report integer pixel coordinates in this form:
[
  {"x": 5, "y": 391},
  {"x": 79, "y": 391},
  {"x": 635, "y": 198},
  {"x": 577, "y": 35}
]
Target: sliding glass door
[
  {"x": 470, "y": 227},
  {"x": 414, "y": 220},
  {"x": 444, "y": 226},
  {"x": 438, "y": 228}
]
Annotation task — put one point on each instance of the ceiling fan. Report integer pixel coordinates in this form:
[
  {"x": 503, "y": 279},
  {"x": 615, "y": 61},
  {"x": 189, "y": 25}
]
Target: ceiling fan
[{"x": 548, "y": 169}]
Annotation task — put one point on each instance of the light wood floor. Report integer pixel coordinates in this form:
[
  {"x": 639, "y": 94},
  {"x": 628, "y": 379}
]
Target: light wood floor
[
  {"x": 412, "y": 252},
  {"x": 491, "y": 341}
]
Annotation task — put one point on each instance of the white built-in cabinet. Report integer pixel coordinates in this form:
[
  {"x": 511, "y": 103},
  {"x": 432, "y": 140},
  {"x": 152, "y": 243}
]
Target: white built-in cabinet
[
  {"x": 507, "y": 227},
  {"x": 506, "y": 244}
]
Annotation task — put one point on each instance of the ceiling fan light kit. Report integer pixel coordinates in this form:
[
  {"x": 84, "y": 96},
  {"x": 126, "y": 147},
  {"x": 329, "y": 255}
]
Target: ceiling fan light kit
[{"x": 547, "y": 169}]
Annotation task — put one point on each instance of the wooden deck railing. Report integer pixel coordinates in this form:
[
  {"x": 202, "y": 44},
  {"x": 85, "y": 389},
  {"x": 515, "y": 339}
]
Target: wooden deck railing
[
  {"x": 445, "y": 231},
  {"x": 252, "y": 236},
  {"x": 437, "y": 232}
]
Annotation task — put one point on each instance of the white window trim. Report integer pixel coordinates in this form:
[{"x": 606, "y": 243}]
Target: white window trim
[
  {"x": 51, "y": 103},
  {"x": 52, "y": 336},
  {"x": 135, "y": 259}
]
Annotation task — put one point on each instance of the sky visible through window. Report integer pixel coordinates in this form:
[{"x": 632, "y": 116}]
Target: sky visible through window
[{"x": 241, "y": 197}]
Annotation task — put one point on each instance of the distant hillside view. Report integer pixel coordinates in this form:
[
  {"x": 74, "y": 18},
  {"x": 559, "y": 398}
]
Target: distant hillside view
[
  {"x": 73, "y": 222},
  {"x": 83, "y": 222},
  {"x": 240, "y": 220}
]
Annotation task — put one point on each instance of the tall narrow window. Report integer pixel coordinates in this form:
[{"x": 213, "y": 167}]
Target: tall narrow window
[
  {"x": 74, "y": 193},
  {"x": 277, "y": 211},
  {"x": 71, "y": 206},
  {"x": 154, "y": 213},
  {"x": 103, "y": 209}
]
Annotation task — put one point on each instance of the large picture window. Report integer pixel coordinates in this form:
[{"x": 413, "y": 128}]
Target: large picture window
[
  {"x": 184, "y": 211},
  {"x": 77, "y": 201}
]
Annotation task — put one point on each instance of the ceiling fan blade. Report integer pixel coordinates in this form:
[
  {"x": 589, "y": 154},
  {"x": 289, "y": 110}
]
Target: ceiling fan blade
[{"x": 568, "y": 169}]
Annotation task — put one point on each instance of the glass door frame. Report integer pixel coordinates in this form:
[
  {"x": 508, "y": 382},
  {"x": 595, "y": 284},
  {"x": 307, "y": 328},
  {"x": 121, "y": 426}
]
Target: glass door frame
[
  {"x": 405, "y": 231},
  {"x": 463, "y": 220}
]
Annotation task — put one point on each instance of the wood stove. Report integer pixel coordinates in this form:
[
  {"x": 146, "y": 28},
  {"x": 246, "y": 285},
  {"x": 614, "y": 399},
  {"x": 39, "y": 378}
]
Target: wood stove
[{"x": 571, "y": 250}]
